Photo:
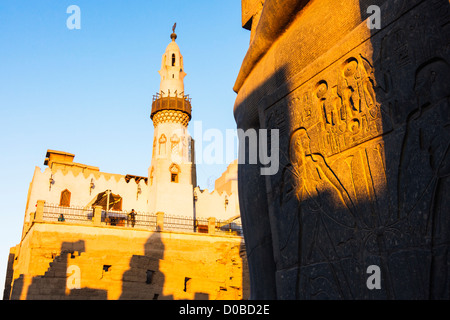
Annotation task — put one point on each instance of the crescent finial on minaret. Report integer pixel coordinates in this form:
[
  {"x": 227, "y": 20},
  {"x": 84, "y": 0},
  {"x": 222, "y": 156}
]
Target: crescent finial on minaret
[{"x": 173, "y": 36}]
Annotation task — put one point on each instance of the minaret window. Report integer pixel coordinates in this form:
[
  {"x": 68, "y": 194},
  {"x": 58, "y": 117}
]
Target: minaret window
[
  {"x": 174, "y": 172},
  {"x": 173, "y": 59}
]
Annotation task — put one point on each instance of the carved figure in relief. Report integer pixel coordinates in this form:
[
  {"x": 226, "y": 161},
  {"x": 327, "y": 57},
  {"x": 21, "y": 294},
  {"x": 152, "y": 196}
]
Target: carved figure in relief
[
  {"x": 333, "y": 116},
  {"x": 313, "y": 172},
  {"x": 350, "y": 93},
  {"x": 350, "y": 111},
  {"x": 368, "y": 88},
  {"x": 325, "y": 211},
  {"x": 424, "y": 172},
  {"x": 276, "y": 120},
  {"x": 425, "y": 157}
]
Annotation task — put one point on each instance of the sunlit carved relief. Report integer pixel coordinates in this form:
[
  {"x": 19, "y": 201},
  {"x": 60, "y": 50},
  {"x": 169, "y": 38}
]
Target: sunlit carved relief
[{"x": 329, "y": 210}]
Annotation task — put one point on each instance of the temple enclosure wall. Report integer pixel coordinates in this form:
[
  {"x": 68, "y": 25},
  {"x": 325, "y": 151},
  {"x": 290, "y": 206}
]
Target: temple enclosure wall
[
  {"x": 364, "y": 178},
  {"x": 67, "y": 261}
]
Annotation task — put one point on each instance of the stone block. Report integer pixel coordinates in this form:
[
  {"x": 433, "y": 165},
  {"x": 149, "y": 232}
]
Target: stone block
[{"x": 362, "y": 176}]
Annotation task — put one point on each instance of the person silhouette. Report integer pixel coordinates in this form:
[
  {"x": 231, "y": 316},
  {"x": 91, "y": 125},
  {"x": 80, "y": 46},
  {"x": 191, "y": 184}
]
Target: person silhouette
[{"x": 132, "y": 217}]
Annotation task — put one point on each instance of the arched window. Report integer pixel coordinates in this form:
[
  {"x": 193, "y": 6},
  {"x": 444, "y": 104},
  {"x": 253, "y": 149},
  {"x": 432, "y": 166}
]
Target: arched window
[
  {"x": 173, "y": 59},
  {"x": 64, "y": 201}
]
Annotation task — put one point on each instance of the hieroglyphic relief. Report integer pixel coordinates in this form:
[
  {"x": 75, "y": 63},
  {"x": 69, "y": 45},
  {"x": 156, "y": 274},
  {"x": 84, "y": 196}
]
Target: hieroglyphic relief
[
  {"x": 365, "y": 174},
  {"x": 424, "y": 169},
  {"x": 426, "y": 143},
  {"x": 350, "y": 112}
]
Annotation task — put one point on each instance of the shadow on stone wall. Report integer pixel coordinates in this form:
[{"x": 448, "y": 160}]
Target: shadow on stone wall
[
  {"x": 53, "y": 284},
  {"x": 245, "y": 272},
  {"x": 254, "y": 204},
  {"x": 144, "y": 280},
  {"x": 73, "y": 267},
  {"x": 408, "y": 77},
  {"x": 9, "y": 275}
]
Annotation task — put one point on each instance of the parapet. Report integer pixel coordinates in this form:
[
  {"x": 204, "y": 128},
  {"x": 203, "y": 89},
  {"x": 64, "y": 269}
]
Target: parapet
[
  {"x": 63, "y": 160},
  {"x": 59, "y": 156}
]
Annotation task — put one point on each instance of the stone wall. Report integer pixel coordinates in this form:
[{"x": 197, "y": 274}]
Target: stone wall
[
  {"x": 363, "y": 116},
  {"x": 112, "y": 263}
]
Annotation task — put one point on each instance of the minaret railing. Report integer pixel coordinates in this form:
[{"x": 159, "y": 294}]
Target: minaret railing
[{"x": 178, "y": 103}]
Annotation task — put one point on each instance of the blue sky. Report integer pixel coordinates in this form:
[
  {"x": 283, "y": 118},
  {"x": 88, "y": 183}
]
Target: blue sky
[{"x": 89, "y": 91}]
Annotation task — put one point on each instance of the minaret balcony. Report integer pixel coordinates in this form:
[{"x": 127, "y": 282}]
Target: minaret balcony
[{"x": 177, "y": 103}]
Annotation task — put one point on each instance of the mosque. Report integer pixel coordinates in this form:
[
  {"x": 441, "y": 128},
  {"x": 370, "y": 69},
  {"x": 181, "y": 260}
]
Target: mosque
[
  {"x": 171, "y": 185},
  {"x": 89, "y": 234}
]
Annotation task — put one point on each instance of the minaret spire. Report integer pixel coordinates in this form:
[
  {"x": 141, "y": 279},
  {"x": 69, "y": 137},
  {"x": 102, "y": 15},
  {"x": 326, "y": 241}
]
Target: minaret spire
[
  {"x": 171, "y": 90},
  {"x": 172, "y": 69},
  {"x": 173, "y": 36}
]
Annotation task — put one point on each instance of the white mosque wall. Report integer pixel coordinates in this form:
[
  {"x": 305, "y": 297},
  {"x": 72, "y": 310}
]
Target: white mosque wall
[
  {"x": 134, "y": 195},
  {"x": 220, "y": 205}
]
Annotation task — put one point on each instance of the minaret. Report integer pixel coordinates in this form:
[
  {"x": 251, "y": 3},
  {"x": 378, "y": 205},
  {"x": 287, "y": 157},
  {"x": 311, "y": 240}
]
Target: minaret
[{"x": 172, "y": 174}]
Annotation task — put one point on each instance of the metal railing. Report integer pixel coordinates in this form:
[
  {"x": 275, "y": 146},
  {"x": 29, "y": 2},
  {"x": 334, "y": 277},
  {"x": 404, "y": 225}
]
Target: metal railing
[
  {"x": 142, "y": 220},
  {"x": 124, "y": 219},
  {"x": 230, "y": 228},
  {"x": 180, "y": 102},
  {"x": 179, "y": 223},
  {"x": 68, "y": 214}
]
